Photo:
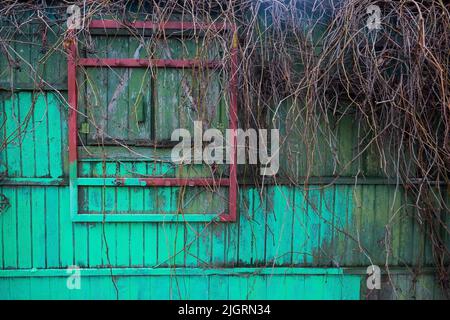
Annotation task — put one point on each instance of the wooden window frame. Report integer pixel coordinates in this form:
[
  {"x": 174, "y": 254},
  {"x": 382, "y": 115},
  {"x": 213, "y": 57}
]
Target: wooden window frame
[{"x": 73, "y": 61}]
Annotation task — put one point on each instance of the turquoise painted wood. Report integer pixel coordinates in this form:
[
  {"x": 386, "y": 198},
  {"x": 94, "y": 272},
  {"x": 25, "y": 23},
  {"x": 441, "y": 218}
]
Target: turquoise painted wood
[{"x": 289, "y": 242}]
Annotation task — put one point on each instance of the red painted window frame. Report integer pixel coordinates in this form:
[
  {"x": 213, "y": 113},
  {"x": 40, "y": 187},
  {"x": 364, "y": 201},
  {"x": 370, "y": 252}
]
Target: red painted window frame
[{"x": 74, "y": 61}]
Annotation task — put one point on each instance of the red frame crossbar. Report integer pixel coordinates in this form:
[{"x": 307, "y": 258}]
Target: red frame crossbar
[{"x": 74, "y": 61}]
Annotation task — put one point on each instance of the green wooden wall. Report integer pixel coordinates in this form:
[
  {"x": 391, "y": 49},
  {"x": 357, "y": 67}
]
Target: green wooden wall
[{"x": 288, "y": 242}]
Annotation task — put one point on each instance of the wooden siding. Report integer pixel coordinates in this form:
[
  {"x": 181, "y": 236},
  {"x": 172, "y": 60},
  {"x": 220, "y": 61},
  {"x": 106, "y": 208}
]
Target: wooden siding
[{"x": 345, "y": 226}]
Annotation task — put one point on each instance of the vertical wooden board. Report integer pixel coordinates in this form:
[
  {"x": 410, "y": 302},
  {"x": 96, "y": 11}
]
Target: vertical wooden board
[
  {"x": 300, "y": 227},
  {"x": 5, "y": 284},
  {"x": 94, "y": 103},
  {"x": 117, "y": 108},
  {"x": 424, "y": 287},
  {"x": 218, "y": 287},
  {"x": 80, "y": 244},
  {"x": 345, "y": 146},
  {"x": 3, "y": 117},
  {"x": 170, "y": 235},
  {"x": 279, "y": 227},
  {"x": 26, "y": 105},
  {"x": 257, "y": 288},
  {"x": 218, "y": 241},
  {"x": 191, "y": 240},
  {"x": 144, "y": 288},
  {"x": 41, "y": 152},
  {"x": 123, "y": 229},
  {"x": 24, "y": 230},
  {"x": 179, "y": 287},
  {"x": 66, "y": 227},
  {"x": 55, "y": 63},
  {"x": 168, "y": 101},
  {"x": 150, "y": 229},
  {"x": 351, "y": 289},
  {"x": 342, "y": 221},
  {"x": 327, "y": 213},
  {"x": 123, "y": 285},
  {"x": 95, "y": 230},
  {"x": 204, "y": 256},
  {"x": 332, "y": 287},
  {"x": 237, "y": 287},
  {"x": 52, "y": 226},
  {"x": 6, "y": 65},
  {"x": 12, "y": 128},
  {"x": 367, "y": 221},
  {"x": 296, "y": 288},
  {"x": 313, "y": 225},
  {"x": 38, "y": 227},
  {"x": 20, "y": 288},
  {"x": 278, "y": 286},
  {"x": 9, "y": 222},
  {"x": 170, "y": 244},
  {"x": 55, "y": 136},
  {"x": 59, "y": 289},
  {"x": 160, "y": 287},
  {"x": 232, "y": 241},
  {"x": 246, "y": 201},
  {"x": 22, "y": 54},
  {"x": 110, "y": 229},
  {"x": 381, "y": 215},
  {"x": 40, "y": 288},
  {"x": 411, "y": 245},
  {"x": 394, "y": 225},
  {"x": 137, "y": 229},
  {"x": 139, "y": 92},
  {"x": 353, "y": 252},
  {"x": 1, "y": 239},
  {"x": 198, "y": 287},
  {"x": 315, "y": 285},
  {"x": 95, "y": 100}
]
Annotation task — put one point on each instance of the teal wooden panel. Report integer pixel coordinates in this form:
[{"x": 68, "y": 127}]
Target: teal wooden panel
[
  {"x": 252, "y": 225},
  {"x": 52, "y": 226},
  {"x": 300, "y": 240},
  {"x": 95, "y": 230},
  {"x": 137, "y": 229},
  {"x": 55, "y": 135},
  {"x": 37, "y": 212},
  {"x": 40, "y": 127},
  {"x": 66, "y": 230},
  {"x": 12, "y": 125},
  {"x": 26, "y": 106},
  {"x": 9, "y": 225},
  {"x": 279, "y": 226},
  {"x": 24, "y": 239}
]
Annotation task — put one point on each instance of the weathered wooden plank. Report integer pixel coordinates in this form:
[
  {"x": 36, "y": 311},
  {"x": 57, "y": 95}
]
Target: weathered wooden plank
[
  {"x": 279, "y": 226},
  {"x": 218, "y": 288},
  {"x": 55, "y": 133},
  {"x": 24, "y": 239},
  {"x": 66, "y": 253},
  {"x": 52, "y": 226},
  {"x": 9, "y": 222},
  {"x": 40, "y": 125},
  {"x": 313, "y": 224},
  {"x": 300, "y": 228},
  {"x": 12, "y": 128},
  {"x": 26, "y": 106},
  {"x": 137, "y": 229},
  {"x": 123, "y": 229},
  {"x": 343, "y": 201},
  {"x": 110, "y": 229},
  {"x": 95, "y": 230},
  {"x": 326, "y": 226}
]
